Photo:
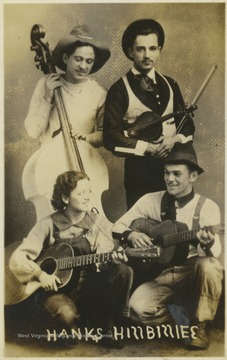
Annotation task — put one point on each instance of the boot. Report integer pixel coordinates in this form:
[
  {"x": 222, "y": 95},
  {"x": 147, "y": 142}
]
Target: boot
[{"x": 202, "y": 339}]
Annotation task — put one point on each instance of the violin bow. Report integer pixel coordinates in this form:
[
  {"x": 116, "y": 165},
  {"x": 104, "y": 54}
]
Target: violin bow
[{"x": 202, "y": 88}]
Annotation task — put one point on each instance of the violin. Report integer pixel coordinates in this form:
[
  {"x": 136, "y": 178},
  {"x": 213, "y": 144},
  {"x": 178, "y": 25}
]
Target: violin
[
  {"x": 63, "y": 152},
  {"x": 148, "y": 125}
]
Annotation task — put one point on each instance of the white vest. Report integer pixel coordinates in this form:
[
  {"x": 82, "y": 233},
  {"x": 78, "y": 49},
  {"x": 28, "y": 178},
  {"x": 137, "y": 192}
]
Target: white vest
[{"x": 136, "y": 108}]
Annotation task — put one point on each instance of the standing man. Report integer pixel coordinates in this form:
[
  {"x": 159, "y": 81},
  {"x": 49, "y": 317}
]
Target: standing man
[
  {"x": 189, "y": 287},
  {"x": 141, "y": 90}
]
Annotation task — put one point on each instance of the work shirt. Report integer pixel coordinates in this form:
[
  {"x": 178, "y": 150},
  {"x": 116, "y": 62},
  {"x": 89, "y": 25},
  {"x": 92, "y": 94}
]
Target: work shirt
[{"x": 149, "y": 207}]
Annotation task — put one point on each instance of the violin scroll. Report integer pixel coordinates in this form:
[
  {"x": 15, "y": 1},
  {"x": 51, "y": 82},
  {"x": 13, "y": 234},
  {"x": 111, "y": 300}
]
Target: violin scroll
[{"x": 43, "y": 57}]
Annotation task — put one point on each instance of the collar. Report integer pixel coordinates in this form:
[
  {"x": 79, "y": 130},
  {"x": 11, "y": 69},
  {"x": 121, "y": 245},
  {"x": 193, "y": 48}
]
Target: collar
[
  {"x": 182, "y": 201},
  {"x": 62, "y": 222},
  {"x": 151, "y": 73}
]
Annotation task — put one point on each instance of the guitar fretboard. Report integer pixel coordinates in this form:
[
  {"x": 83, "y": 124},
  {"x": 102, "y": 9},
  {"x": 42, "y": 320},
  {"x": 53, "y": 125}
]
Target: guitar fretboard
[
  {"x": 180, "y": 237},
  {"x": 71, "y": 262}
]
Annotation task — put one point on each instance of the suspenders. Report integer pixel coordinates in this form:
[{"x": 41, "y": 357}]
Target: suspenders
[
  {"x": 182, "y": 249},
  {"x": 196, "y": 216}
]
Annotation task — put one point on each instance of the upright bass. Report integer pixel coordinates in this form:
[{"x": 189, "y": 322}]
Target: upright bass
[{"x": 63, "y": 152}]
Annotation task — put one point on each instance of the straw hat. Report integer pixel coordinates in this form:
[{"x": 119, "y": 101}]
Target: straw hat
[{"x": 80, "y": 34}]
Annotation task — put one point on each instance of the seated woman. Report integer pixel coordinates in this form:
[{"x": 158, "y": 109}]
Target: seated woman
[{"x": 98, "y": 293}]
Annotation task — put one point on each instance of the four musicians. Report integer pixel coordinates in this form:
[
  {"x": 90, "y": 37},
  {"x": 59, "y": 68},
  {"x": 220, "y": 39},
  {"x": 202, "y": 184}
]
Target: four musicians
[{"x": 101, "y": 295}]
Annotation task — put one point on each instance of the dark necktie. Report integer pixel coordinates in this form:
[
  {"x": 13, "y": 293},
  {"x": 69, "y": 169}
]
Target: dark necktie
[
  {"x": 172, "y": 202},
  {"x": 170, "y": 208},
  {"x": 146, "y": 84}
]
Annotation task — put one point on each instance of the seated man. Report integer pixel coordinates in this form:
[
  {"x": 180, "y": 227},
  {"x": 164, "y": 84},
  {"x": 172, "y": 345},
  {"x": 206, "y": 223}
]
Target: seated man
[
  {"x": 99, "y": 292},
  {"x": 189, "y": 285}
]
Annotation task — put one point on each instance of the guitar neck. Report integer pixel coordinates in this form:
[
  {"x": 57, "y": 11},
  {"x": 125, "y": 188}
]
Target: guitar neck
[
  {"x": 180, "y": 237},
  {"x": 82, "y": 260}
]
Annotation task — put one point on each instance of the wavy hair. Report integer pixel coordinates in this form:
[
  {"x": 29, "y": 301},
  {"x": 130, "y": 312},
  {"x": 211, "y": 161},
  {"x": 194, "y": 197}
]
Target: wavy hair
[{"x": 64, "y": 185}]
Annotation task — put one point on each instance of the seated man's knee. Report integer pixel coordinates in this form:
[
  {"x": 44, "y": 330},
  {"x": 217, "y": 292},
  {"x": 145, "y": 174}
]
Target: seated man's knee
[
  {"x": 147, "y": 304},
  {"x": 209, "y": 267}
]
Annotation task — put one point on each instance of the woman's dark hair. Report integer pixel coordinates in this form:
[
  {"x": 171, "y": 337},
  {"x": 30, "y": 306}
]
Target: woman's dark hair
[{"x": 64, "y": 185}]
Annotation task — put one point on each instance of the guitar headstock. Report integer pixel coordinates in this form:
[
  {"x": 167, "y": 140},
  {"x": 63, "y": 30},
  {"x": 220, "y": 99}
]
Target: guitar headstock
[{"x": 43, "y": 57}]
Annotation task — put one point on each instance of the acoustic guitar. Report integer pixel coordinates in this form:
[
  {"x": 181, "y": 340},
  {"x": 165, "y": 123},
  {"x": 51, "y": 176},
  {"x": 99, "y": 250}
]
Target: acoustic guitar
[
  {"x": 173, "y": 238},
  {"x": 60, "y": 260}
]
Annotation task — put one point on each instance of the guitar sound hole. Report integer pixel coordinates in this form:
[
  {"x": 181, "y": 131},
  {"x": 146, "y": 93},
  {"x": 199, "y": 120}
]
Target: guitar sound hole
[
  {"x": 49, "y": 265},
  {"x": 159, "y": 240}
]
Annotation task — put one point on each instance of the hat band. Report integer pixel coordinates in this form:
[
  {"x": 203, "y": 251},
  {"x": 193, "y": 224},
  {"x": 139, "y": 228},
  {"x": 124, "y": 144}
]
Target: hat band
[{"x": 85, "y": 37}]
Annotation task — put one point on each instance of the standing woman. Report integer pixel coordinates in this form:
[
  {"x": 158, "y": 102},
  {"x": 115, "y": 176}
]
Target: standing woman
[
  {"x": 77, "y": 55},
  {"x": 82, "y": 106}
]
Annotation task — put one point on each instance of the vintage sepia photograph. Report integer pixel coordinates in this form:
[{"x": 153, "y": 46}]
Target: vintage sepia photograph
[{"x": 114, "y": 163}]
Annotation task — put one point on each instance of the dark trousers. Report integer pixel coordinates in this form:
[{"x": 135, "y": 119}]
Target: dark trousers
[
  {"x": 104, "y": 296},
  {"x": 143, "y": 174},
  {"x": 99, "y": 300}
]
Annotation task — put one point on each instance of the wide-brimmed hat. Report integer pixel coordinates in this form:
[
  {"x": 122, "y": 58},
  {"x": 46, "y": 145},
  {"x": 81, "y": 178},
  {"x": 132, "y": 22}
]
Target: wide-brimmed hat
[
  {"x": 135, "y": 28},
  {"x": 80, "y": 34},
  {"x": 183, "y": 154}
]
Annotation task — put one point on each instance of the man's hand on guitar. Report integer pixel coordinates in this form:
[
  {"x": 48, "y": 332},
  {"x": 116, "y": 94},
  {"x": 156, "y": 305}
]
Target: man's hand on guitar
[
  {"x": 49, "y": 282},
  {"x": 139, "y": 239},
  {"x": 206, "y": 239}
]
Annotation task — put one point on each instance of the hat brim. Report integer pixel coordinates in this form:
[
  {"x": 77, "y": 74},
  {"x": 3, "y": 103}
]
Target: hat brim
[
  {"x": 133, "y": 29},
  {"x": 102, "y": 53},
  {"x": 186, "y": 162}
]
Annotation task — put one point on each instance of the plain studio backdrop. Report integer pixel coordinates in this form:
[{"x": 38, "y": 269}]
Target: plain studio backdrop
[{"x": 194, "y": 42}]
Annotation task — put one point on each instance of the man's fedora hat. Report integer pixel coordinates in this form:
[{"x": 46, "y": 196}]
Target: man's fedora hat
[
  {"x": 183, "y": 154},
  {"x": 139, "y": 27},
  {"x": 80, "y": 34}
]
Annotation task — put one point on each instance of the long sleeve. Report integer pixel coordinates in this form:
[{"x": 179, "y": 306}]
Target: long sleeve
[
  {"x": 147, "y": 207},
  {"x": 84, "y": 106},
  {"x": 22, "y": 262},
  {"x": 96, "y": 138},
  {"x": 39, "y": 113},
  {"x": 210, "y": 217},
  {"x": 115, "y": 109}
]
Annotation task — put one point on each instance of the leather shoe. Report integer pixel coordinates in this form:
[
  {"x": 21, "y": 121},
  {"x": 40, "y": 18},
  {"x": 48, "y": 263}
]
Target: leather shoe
[{"x": 202, "y": 338}]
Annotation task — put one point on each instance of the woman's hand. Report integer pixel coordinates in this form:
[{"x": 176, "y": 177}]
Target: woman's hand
[
  {"x": 53, "y": 81},
  {"x": 49, "y": 282},
  {"x": 119, "y": 256},
  {"x": 78, "y": 134}
]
